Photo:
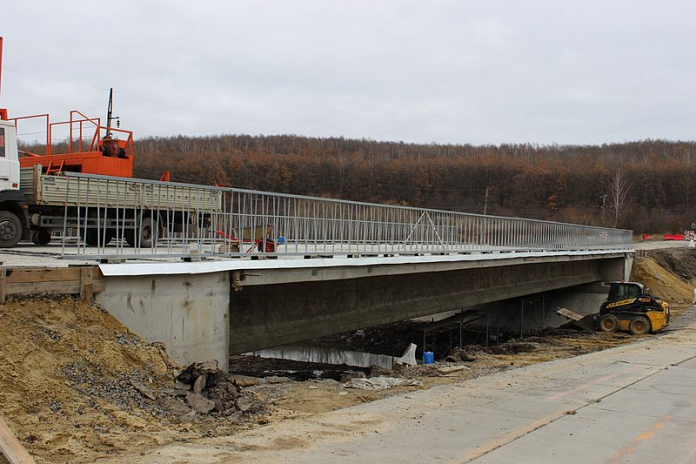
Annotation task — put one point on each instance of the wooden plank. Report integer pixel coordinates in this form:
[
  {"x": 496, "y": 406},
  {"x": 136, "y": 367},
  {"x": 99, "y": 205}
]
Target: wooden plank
[
  {"x": 19, "y": 275},
  {"x": 569, "y": 314},
  {"x": 3, "y": 285},
  {"x": 67, "y": 287},
  {"x": 11, "y": 447},
  {"x": 86, "y": 285}
]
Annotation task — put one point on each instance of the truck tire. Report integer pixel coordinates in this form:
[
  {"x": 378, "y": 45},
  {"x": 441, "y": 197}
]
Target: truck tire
[
  {"x": 10, "y": 229},
  {"x": 639, "y": 326},
  {"x": 41, "y": 237},
  {"x": 608, "y": 323},
  {"x": 146, "y": 236}
]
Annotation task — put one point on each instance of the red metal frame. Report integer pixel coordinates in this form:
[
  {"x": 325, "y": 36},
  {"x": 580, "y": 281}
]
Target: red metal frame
[{"x": 79, "y": 158}]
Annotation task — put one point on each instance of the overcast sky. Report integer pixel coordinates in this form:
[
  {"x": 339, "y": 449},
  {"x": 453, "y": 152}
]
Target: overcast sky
[{"x": 480, "y": 72}]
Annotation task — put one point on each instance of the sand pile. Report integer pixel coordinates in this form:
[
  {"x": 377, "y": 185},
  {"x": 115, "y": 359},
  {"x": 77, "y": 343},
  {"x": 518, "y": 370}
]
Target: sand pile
[
  {"x": 75, "y": 384},
  {"x": 663, "y": 283}
]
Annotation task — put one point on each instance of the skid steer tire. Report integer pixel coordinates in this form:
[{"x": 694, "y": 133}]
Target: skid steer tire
[
  {"x": 639, "y": 326},
  {"x": 608, "y": 323}
]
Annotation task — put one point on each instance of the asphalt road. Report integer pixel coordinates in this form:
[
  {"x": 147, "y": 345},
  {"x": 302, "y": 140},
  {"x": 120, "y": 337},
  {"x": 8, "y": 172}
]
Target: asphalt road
[{"x": 632, "y": 404}]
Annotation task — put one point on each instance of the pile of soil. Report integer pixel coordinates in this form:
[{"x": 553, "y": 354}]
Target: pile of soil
[
  {"x": 674, "y": 288},
  {"x": 680, "y": 261},
  {"x": 75, "y": 384}
]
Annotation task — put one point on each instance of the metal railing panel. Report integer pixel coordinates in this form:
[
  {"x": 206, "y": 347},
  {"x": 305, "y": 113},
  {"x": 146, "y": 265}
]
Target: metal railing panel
[{"x": 186, "y": 218}]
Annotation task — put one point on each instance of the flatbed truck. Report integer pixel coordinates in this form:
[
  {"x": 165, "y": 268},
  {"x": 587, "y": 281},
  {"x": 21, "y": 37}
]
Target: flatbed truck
[{"x": 36, "y": 203}]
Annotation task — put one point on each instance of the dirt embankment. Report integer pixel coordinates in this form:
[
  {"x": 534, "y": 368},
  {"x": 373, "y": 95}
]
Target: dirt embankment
[
  {"x": 76, "y": 385},
  {"x": 669, "y": 273}
]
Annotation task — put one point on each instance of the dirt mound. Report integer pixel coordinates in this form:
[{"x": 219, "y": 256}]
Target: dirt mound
[
  {"x": 75, "y": 384},
  {"x": 680, "y": 261},
  {"x": 661, "y": 281}
]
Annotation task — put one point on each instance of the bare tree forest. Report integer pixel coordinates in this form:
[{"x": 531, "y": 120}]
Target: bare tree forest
[{"x": 646, "y": 186}]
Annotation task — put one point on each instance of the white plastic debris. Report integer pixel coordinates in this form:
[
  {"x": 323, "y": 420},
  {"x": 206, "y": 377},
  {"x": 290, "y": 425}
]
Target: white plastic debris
[{"x": 409, "y": 356}]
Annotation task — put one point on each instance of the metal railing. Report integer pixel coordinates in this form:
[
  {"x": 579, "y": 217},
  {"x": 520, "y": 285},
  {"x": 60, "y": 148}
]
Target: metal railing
[{"x": 231, "y": 222}]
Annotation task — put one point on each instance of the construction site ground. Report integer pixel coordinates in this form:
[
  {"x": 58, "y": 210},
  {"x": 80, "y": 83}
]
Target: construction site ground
[{"x": 77, "y": 386}]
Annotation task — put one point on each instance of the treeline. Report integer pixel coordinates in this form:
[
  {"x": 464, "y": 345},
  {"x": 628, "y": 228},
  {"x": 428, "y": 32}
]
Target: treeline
[{"x": 647, "y": 186}]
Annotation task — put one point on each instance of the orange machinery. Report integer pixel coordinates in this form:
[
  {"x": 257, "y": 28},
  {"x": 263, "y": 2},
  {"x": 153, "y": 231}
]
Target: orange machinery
[{"x": 82, "y": 151}]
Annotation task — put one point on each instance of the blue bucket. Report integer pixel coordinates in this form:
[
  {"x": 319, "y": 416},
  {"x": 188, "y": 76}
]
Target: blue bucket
[
  {"x": 428, "y": 357},
  {"x": 281, "y": 240}
]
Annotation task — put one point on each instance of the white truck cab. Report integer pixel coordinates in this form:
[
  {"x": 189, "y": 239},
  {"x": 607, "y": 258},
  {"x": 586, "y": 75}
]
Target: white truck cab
[
  {"x": 9, "y": 159},
  {"x": 14, "y": 221}
]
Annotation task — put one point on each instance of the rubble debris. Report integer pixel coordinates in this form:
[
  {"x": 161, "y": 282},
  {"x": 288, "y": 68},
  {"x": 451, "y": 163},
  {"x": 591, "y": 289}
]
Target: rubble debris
[
  {"x": 513, "y": 347},
  {"x": 213, "y": 391},
  {"x": 353, "y": 375},
  {"x": 199, "y": 403},
  {"x": 446, "y": 370},
  {"x": 460, "y": 355},
  {"x": 381, "y": 383},
  {"x": 244, "y": 380},
  {"x": 145, "y": 391}
]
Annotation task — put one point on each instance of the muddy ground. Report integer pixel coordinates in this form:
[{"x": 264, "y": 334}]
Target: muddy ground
[{"x": 76, "y": 385}]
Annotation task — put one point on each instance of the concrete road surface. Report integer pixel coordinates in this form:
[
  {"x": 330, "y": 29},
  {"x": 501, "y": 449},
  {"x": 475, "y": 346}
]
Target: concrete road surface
[{"x": 632, "y": 404}]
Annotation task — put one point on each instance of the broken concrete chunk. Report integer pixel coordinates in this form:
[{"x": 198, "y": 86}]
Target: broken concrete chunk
[
  {"x": 190, "y": 416},
  {"x": 175, "y": 392},
  {"x": 460, "y": 355},
  {"x": 244, "y": 380},
  {"x": 182, "y": 386},
  {"x": 244, "y": 404},
  {"x": 195, "y": 370},
  {"x": 235, "y": 417},
  {"x": 200, "y": 383},
  {"x": 145, "y": 391},
  {"x": 175, "y": 406},
  {"x": 200, "y": 403},
  {"x": 451, "y": 369},
  {"x": 208, "y": 367}
]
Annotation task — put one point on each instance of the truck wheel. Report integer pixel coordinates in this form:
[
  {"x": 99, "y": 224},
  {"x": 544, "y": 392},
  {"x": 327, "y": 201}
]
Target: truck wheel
[
  {"x": 639, "y": 326},
  {"x": 10, "y": 229},
  {"x": 608, "y": 323},
  {"x": 41, "y": 237},
  {"x": 149, "y": 232}
]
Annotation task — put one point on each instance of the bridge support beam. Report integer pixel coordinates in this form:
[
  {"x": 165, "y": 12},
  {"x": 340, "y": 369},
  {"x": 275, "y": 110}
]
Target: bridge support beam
[{"x": 270, "y": 315}]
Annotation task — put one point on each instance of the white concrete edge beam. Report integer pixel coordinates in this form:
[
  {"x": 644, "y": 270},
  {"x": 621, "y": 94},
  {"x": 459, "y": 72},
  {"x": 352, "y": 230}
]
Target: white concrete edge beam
[{"x": 463, "y": 261}]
